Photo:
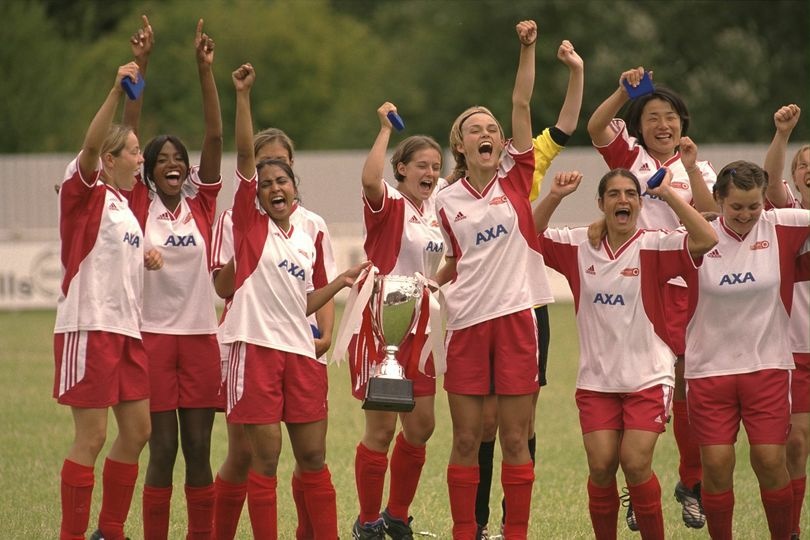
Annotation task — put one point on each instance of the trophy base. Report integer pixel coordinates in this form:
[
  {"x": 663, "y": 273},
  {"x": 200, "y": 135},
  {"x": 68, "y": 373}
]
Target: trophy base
[{"x": 383, "y": 394}]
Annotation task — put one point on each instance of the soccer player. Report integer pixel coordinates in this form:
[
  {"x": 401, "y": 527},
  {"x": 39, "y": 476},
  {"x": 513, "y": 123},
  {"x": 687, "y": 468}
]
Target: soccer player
[
  {"x": 653, "y": 135},
  {"x": 547, "y": 146},
  {"x": 779, "y": 195},
  {"x": 308, "y": 477},
  {"x": 100, "y": 362},
  {"x": 402, "y": 237},
  {"x": 272, "y": 372},
  {"x": 485, "y": 218},
  {"x": 175, "y": 205},
  {"x": 624, "y": 387},
  {"x": 743, "y": 291}
]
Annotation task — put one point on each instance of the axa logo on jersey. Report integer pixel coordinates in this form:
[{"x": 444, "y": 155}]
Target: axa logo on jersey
[
  {"x": 293, "y": 269},
  {"x": 434, "y": 247},
  {"x": 490, "y": 234},
  {"x": 737, "y": 279},
  {"x": 608, "y": 299},
  {"x": 132, "y": 239},
  {"x": 180, "y": 240}
]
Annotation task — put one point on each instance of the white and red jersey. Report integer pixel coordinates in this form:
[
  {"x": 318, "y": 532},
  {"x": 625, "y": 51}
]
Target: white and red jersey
[
  {"x": 401, "y": 238},
  {"x": 740, "y": 298},
  {"x": 626, "y": 152},
  {"x": 273, "y": 278},
  {"x": 491, "y": 234},
  {"x": 800, "y": 314},
  {"x": 222, "y": 249},
  {"x": 618, "y": 299},
  {"x": 102, "y": 257},
  {"x": 178, "y": 298}
]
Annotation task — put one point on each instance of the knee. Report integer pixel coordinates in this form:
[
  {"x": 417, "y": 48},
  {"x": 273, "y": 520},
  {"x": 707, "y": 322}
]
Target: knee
[
  {"x": 513, "y": 446},
  {"x": 602, "y": 472},
  {"x": 636, "y": 470},
  {"x": 91, "y": 443},
  {"x": 419, "y": 433},
  {"x": 312, "y": 459},
  {"x": 768, "y": 461},
  {"x": 797, "y": 445},
  {"x": 162, "y": 450},
  {"x": 379, "y": 437},
  {"x": 197, "y": 448},
  {"x": 466, "y": 445}
]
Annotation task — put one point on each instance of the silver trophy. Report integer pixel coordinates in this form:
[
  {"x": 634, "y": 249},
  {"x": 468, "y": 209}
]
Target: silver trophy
[{"x": 394, "y": 305}]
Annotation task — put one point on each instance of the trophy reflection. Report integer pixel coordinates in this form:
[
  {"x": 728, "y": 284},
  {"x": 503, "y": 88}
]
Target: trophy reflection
[{"x": 394, "y": 310}]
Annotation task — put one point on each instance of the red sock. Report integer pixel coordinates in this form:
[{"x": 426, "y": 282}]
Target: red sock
[
  {"x": 320, "y": 498},
  {"x": 778, "y": 505},
  {"x": 517, "y": 482},
  {"x": 369, "y": 475},
  {"x": 646, "y": 499},
  {"x": 407, "y": 461},
  {"x": 603, "y": 505},
  {"x": 689, "y": 467},
  {"x": 156, "y": 508},
  {"x": 462, "y": 484},
  {"x": 304, "y": 529},
  {"x": 719, "y": 510},
  {"x": 262, "y": 505},
  {"x": 77, "y": 494},
  {"x": 200, "y": 504},
  {"x": 799, "y": 486},
  {"x": 228, "y": 501},
  {"x": 118, "y": 480}
]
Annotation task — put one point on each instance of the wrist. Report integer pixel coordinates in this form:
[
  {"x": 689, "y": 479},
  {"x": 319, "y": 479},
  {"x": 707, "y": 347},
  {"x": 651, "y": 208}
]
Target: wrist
[{"x": 692, "y": 170}]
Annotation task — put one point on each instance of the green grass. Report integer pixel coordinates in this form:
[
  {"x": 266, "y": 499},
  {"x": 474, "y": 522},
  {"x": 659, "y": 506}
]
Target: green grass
[{"x": 36, "y": 433}]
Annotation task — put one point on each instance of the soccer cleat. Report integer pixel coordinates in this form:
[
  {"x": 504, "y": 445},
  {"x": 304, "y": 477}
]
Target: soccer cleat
[
  {"x": 98, "y": 536},
  {"x": 372, "y": 530},
  {"x": 481, "y": 533},
  {"x": 631, "y": 515},
  {"x": 396, "y": 528},
  {"x": 691, "y": 505}
]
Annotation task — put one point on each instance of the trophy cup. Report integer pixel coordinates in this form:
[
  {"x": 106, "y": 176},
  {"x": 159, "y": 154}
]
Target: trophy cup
[{"x": 394, "y": 310}]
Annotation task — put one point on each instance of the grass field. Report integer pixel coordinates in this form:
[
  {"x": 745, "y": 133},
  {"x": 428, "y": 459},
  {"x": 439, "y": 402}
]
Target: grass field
[{"x": 36, "y": 433}]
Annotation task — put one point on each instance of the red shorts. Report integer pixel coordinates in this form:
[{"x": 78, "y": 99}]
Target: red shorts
[
  {"x": 266, "y": 386},
  {"x": 184, "y": 371},
  {"x": 645, "y": 410},
  {"x": 800, "y": 384},
  {"x": 423, "y": 385},
  {"x": 676, "y": 302},
  {"x": 760, "y": 399},
  {"x": 499, "y": 354},
  {"x": 97, "y": 369}
]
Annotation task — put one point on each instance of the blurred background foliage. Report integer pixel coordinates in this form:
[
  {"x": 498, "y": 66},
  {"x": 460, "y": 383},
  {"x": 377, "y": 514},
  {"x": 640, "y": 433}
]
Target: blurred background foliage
[{"x": 324, "y": 66}]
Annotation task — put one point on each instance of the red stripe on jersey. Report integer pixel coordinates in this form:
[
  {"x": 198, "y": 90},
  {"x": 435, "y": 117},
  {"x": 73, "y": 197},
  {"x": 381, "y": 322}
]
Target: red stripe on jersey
[
  {"x": 384, "y": 229},
  {"x": 319, "y": 277},
  {"x": 80, "y": 213},
  {"x": 451, "y": 238},
  {"x": 618, "y": 153}
]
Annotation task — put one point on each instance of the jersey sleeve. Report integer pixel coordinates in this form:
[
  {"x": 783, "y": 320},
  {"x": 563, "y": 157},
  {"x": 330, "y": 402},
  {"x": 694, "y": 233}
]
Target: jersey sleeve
[
  {"x": 222, "y": 249},
  {"x": 803, "y": 263},
  {"x": 623, "y": 150},
  {"x": 517, "y": 169},
  {"x": 244, "y": 202},
  {"x": 559, "y": 248},
  {"x": 201, "y": 194}
]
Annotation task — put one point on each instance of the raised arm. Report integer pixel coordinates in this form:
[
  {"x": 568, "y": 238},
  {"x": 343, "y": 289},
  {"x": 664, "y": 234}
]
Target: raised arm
[
  {"x": 211, "y": 154},
  {"x": 701, "y": 237},
  {"x": 141, "y": 43},
  {"x": 100, "y": 125},
  {"x": 564, "y": 184},
  {"x": 785, "y": 119},
  {"x": 524, "y": 85},
  {"x": 701, "y": 196},
  {"x": 372, "y": 176},
  {"x": 569, "y": 113},
  {"x": 243, "y": 79},
  {"x": 599, "y": 123}
]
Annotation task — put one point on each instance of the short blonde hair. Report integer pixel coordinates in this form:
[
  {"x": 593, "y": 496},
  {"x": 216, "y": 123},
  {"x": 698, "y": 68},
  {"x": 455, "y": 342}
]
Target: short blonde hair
[{"x": 116, "y": 140}]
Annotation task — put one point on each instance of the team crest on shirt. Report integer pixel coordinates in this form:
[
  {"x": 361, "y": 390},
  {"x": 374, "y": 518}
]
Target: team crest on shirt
[
  {"x": 498, "y": 200},
  {"x": 630, "y": 272},
  {"x": 293, "y": 269},
  {"x": 737, "y": 279},
  {"x": 490, "y": 234},
  {"x": 762, "y": 244},
  {"x": 679, "y": 185}
]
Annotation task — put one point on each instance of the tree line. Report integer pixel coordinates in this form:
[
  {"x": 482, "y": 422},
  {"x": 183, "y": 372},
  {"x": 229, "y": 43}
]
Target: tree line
[{"x": 324, "y": 66}]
